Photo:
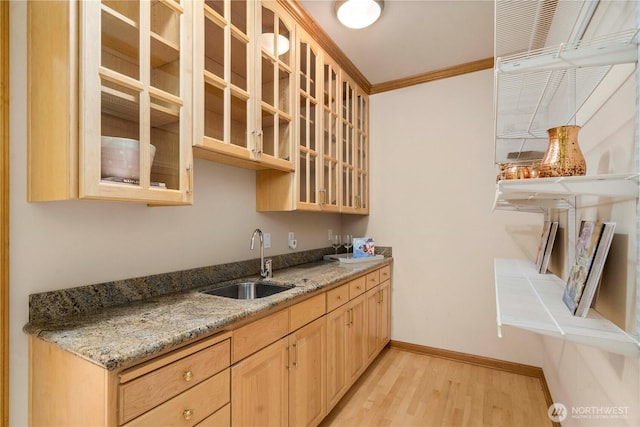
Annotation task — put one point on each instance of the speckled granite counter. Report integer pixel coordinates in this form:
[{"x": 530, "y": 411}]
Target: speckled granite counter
[{"x": 120, "y": 335}]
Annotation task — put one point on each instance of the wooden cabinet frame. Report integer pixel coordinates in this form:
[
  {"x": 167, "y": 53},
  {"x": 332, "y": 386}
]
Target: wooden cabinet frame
[
  {"x": 136, "y": 84},
  {"x": 230, "y": 106}
]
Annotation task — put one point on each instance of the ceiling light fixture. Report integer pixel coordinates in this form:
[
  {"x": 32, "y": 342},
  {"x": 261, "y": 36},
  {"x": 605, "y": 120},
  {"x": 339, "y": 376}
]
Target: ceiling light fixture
[
  {"x": 358, "y": 14},
  {"x": 268, "y": 41}
]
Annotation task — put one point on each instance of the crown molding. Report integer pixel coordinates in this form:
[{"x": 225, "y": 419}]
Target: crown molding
[{"x": 443, "y": 73}]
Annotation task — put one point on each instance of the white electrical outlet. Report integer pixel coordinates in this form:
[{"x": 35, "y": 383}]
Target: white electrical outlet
[
  {"x": 291, "y": 240},
  {"x": 266, "y": 238},
  {"x": 330, "y": 235}
]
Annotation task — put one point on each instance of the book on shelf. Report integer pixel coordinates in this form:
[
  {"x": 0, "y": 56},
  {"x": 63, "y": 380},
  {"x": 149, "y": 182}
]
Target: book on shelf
[
  {"x": 582, "y": 271},
  {"x": 593, "y": 280},
  {"x": 545, "y": 246}
]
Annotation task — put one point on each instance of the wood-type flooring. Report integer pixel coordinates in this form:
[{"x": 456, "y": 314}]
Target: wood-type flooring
[{"x": 403, "y": 388}]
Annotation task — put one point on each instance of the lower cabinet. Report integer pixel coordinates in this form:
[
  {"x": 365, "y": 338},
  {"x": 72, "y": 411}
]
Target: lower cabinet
[
  {"x": 186, "y": 387},
  {"x": 356, "y": 344},
  {"x": 289, "y": 368},
  {"x": 336, "y": 356},
  {"x": 307, "y": 374},
  {"x": 284, "y": 383},
  {"x": 345, "y": 348},
  {"x": 378, "y": 316},
  {"x": 260, "y": 387}
]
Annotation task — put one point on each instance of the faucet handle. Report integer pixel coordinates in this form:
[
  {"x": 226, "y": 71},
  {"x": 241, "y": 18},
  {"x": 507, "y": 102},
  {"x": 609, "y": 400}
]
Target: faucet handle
[{"x": 267, "y": 269}]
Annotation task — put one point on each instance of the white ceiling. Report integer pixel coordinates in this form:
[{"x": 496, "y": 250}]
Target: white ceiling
[{"x": 412, "y": 36}]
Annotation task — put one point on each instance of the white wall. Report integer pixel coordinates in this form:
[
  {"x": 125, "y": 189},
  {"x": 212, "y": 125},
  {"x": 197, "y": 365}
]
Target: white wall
[
  {"x": 57, "y": 245},
  {"x": 432, "y": 190}
]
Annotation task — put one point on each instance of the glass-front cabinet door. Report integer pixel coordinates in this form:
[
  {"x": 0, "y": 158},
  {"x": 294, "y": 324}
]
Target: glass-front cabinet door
[
  {"x": 361, "y": 154},
  {"x": 347, "y": 141},
  {"x": 135, "y": 101},
  {"x": 275, "y": 122},
  {"x": 309, "y": 187},
  {"x": 331, "y": 120},
  {"x": 223, "y": 79},
  {"x": 354, "y": 139},
  {"x": 243, "y": 63}
]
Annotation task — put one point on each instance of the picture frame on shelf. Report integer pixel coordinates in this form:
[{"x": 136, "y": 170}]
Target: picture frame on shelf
[
  {"x": 594, "y": 240},
  {"x": 545, "y": 245}
]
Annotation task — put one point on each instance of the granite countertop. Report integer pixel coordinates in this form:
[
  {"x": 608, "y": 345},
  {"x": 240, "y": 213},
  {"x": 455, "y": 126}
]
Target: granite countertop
[{"x": 119, "y": 336}]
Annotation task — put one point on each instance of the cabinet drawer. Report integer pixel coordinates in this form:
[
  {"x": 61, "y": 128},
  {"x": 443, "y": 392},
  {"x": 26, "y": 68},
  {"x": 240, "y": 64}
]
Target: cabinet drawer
[
  {"x": 385, "y": 273},
  {"x": 373, "y": 279},
  {"x": 357, "y": 287},
  {"x": 338, "y": 296},
  {"x": 259, "y": 334},
  {"x": 192, "y": 406},
  {"x": 222, "y": 418},
  {"x": 147, "y": 391},
  {"x": 306, "y": 311}
]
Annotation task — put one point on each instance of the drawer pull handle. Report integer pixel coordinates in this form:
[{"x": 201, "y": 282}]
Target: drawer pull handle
[
  {"x": 358, "y": 287},
  {"x": 187, "y": 414},
  {"x": 188, "y": 376},
  {"x": 339, "y": 297}
]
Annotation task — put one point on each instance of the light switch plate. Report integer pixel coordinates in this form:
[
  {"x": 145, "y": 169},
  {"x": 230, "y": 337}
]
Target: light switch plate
[{"x": 266, "y": 237}]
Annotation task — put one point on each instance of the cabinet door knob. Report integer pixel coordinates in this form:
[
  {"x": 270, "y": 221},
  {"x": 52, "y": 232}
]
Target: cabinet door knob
[
  {"x": 187, "y": 414},
  {"x": 188, "y": 376}
]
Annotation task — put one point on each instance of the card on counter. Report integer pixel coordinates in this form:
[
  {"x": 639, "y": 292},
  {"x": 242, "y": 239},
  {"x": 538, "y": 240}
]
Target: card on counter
[{"x": 363, "y": 247}]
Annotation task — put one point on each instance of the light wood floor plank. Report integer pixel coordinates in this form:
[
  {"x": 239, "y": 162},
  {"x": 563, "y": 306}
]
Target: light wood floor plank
[{"x": 403, "y": 388}]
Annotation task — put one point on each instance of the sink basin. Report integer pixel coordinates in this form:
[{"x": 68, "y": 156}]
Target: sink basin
[{"x": 248, "y": 290}]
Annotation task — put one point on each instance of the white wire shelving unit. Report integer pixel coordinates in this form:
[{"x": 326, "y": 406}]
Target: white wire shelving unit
[
  {"x": 528, "y": 300},
  {"x": 556, "y": 64},
  {"x": 540, "y": 194},
  {"x": 553, "y": 81}
]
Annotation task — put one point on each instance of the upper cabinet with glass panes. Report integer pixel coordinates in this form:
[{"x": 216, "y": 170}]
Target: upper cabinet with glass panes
[
  {"x": 121, "y": 126},
  {"x": 243, "y": 77}
]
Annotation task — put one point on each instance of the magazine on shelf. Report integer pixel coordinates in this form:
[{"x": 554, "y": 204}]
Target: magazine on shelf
[
  {"x": 593, "y": 281},
  {"x": 545, "y": 246},
  {"x": 588, "y": 239}
]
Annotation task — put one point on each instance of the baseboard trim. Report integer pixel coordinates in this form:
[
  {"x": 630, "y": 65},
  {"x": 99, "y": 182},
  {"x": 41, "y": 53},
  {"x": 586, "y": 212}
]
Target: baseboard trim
[{"x": 472, "y": 359}]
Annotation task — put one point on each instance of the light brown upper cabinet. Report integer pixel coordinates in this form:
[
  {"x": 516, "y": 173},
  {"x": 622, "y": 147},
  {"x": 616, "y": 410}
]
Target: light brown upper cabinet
[
  {"x": 277, "y": 191},
  {"x": 332, "y": 169},
  {"x": 103, "y": 70},
  {"x": 330, "y": 195},
  {"x": 243, "y": 84},
  {"x": 354, "y": 137}
]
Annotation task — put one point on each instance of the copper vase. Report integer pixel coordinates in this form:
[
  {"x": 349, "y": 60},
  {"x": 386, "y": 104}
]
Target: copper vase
[{"x": 563, "y": 156}]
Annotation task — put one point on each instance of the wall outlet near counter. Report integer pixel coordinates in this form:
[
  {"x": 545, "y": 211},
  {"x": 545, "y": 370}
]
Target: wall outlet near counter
[
  {"x": 291, "y": 240},
  {"x": 266, "y": 239}
]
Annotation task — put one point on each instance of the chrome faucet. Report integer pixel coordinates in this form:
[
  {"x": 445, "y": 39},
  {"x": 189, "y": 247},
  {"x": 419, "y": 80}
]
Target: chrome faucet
[{"x": 266, "y": 269}]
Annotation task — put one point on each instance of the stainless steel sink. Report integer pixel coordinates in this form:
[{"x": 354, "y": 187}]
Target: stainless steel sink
[{"x": 248, "y": 290}]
